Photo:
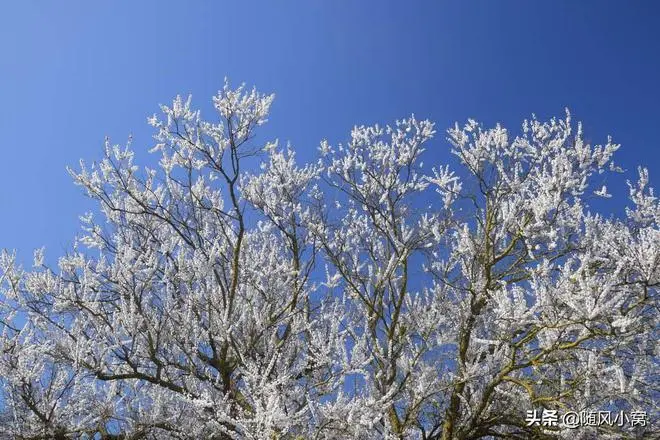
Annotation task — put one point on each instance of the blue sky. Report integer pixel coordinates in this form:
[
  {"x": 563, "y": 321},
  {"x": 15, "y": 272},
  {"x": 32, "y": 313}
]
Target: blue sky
[{"x": 72, "y": 72}]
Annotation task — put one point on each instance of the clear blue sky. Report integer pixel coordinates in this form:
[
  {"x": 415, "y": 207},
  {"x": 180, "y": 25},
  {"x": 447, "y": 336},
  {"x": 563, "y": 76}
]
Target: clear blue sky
[{"x": 72, "y": 72}]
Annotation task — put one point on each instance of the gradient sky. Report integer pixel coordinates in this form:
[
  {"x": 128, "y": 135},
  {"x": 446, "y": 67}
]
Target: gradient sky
[{"x": 72, "y": 72}]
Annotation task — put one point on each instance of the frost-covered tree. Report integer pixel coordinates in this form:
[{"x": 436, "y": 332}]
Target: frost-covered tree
[{"x": 361, "y": 296}]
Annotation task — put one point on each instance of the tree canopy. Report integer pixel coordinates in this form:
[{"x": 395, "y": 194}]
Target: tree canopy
[{"x": 363, "y": 295}]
